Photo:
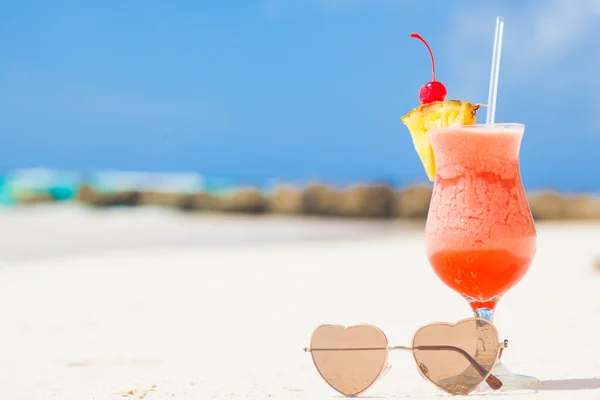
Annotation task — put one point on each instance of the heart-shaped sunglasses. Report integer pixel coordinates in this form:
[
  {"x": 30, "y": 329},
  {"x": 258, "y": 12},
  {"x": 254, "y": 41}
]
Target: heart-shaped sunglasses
[{"x": 456, "y": 358}]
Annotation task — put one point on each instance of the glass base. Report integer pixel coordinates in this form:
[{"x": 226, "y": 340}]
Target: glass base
[{"x": 510, "y": 380}]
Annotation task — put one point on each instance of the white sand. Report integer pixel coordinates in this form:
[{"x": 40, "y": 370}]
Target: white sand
[{"x": 147, "y": 304}]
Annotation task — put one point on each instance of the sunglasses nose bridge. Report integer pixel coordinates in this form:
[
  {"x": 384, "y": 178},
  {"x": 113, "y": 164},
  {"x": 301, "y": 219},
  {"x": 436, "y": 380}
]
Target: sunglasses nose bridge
[
  {"x": 388, "y": 366},
  {"x": 400, "y": 348}
]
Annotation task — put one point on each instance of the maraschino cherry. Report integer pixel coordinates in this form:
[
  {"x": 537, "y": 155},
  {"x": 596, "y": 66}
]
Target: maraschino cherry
[{"x": 434, "y": 90}]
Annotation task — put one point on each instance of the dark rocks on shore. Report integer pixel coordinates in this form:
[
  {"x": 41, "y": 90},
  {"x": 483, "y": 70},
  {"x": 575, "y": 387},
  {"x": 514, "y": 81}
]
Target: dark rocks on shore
[
  {"x": 244, "y": 200},
  {"x": 551, "y": 205},
  {"x": 583, "y": 207},
  {"x": 413, "y": 202},
  {"x": 358, "y": 201},
  {"x": 200, "y": 202},
  {"x": 35, "y": 198},
  {"x": 165, "y": 199},
  {"x": 548, "y": 205},
  {"x": 362, "y": 201},
  {"x": 287, "y": 200},
  {"x": 88, "y": 195},
  {"x": 322, "y": 200}
]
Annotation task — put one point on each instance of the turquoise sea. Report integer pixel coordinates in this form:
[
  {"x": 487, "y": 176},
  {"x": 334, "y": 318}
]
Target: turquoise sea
[{"x": 63, "y": 185}]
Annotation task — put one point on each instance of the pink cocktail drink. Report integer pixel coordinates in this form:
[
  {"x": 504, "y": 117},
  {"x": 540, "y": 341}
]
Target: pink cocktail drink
[{"x": 480, "y": 235}]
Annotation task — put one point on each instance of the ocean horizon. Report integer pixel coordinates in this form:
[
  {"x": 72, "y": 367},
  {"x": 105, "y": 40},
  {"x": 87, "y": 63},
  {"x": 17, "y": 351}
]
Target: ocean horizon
[{"x": 63, "y": 185}]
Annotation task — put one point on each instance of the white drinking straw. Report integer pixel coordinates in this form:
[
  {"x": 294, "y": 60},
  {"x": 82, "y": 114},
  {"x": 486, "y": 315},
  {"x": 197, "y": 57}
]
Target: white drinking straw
[{"x": 493, "y": 94}]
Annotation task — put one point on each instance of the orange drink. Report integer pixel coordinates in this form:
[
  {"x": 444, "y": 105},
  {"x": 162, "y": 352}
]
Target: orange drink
[{"x": 480, "y": 235}]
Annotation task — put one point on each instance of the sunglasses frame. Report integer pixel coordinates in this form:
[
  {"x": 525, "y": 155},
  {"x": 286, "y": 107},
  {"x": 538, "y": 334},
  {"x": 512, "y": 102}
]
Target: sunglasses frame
[{"x": 488, "y": 377}]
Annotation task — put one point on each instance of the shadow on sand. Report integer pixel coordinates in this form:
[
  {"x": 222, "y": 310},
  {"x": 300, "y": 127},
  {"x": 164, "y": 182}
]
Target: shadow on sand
[
  {"x": 558, "y": 384},
  {"x": 570, "y": 384}
]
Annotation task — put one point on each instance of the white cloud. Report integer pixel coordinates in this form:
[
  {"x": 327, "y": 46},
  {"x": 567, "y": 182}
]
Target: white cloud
[
  {"x": 539, "y": 39},
  {"x": 552, "y": 31},
  {"x": 549, "y": 46}
]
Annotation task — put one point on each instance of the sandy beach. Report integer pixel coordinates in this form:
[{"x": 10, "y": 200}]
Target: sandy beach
[{"x": 152, "y": 304}]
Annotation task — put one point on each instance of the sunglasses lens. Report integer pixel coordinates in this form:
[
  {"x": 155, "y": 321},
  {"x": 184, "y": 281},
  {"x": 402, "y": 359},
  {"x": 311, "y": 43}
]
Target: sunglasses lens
[
  {"x": 456, "y": 358},
  {"x": 349, "y": 359}
]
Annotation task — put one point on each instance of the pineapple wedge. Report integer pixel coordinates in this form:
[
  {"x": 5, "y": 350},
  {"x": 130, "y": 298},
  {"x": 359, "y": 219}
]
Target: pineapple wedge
[{"x": 439, "y": 114}]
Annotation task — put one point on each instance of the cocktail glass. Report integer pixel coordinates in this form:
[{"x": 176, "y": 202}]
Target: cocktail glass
[{"x": 480, "y": 235}]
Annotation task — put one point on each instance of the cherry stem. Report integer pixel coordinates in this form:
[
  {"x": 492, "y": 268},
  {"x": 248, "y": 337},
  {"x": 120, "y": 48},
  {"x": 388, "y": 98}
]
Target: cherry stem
[{"x": 417, "y": 36}]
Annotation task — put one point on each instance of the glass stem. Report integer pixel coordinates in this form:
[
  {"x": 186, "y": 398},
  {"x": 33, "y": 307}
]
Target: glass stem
[
  {"x": 488, "y": 314},
  {"x": 485, "y": 313}
]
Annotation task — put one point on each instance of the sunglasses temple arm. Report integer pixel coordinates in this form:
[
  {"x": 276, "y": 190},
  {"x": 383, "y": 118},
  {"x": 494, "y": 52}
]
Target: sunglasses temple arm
[
  {"x": 503, "y": 345},
  {"x": 491, "y": 380}
]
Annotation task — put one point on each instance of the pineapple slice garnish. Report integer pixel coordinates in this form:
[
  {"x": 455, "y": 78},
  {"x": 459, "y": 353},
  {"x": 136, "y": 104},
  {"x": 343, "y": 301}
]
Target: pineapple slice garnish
[{"x": 439, "y": 114}]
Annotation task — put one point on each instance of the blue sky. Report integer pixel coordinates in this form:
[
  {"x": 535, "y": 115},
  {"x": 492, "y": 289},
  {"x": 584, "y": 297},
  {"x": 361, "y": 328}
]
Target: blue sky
[{"x": 289, "y": 88}]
